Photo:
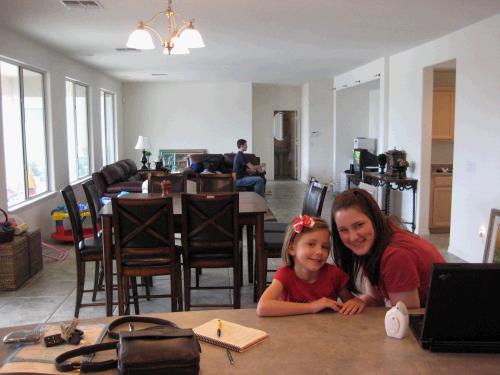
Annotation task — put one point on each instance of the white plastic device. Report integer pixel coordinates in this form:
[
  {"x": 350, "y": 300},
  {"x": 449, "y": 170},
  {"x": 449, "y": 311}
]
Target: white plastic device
[{"x": 397, "y": 321}]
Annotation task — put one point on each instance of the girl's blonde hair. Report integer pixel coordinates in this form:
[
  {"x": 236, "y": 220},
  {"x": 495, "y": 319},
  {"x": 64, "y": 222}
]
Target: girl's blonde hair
[{"x": 291, "y": 236}]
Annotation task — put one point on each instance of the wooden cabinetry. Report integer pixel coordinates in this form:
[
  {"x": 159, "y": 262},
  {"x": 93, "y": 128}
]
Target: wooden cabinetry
[
  {"x": 443, "y": 113},
  {"x": 440, "y": 210}
]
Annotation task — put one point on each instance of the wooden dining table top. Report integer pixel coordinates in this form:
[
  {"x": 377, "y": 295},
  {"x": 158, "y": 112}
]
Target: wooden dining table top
[{"x": 249, "y": 202}]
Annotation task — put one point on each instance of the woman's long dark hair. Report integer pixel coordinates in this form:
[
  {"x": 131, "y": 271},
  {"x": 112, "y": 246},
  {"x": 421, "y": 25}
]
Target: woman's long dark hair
[{"x": 342, "y": 255}]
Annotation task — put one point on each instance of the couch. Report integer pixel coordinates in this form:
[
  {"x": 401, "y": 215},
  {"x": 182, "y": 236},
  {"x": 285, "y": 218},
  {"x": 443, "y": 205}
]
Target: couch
[
  {"x": 214, "y": 162},
  {"x": 117, "y": 177}
]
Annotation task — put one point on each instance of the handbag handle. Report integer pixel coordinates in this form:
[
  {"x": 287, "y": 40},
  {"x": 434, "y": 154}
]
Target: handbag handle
[{"x": 63, "y": 366}]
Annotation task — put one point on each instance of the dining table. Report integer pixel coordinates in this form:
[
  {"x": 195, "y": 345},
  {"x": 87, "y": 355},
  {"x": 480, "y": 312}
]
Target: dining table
[{"x": 252, "y": 208}]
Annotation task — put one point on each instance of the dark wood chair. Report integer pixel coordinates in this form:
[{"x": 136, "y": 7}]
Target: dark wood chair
[
  {"x": 210, "y": 239},
  {"x": 94, "y": 206},
  {"x": 312, "y": 206},
  {"x": 145, "y": 247},
  {"x": 178, "y": 182},
  {"x": 222, "y": 182},
  {"x": 86, "y": 249}
]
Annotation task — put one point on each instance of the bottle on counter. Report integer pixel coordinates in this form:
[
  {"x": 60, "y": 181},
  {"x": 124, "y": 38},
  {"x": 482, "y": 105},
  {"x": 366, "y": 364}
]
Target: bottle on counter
[{"x": 166, "y": 187}]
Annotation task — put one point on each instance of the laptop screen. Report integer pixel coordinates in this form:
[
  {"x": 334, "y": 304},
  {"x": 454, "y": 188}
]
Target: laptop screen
[{"x": 463, "y": 303}]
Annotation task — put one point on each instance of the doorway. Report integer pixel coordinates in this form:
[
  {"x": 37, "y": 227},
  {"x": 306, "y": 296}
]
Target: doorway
[
  {"x": 443, "y": 124},
  {"x": 285, "y": 145}
]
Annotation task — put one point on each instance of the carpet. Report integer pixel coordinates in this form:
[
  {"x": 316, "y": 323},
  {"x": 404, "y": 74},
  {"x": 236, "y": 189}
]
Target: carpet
[{"x": 54, "y": 253}]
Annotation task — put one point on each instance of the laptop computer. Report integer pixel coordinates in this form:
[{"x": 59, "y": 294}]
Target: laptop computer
[{"x": 462, "y": 310}]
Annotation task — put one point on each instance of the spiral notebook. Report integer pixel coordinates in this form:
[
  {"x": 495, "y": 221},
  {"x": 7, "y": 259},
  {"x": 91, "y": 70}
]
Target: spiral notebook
[{"x": 233, "y": 336}]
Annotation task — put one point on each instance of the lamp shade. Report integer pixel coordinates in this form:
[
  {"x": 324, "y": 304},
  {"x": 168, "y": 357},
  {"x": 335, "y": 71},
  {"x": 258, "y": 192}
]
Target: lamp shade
[
  {"x": 191, "y": 38},
  {"x": 140, "y": 39},
  {"x": 143, "y": 143},
  {"x": 178, "y": 49}
]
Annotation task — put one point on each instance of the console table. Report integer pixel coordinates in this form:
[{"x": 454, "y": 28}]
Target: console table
[{"x": 390, "y": 183}]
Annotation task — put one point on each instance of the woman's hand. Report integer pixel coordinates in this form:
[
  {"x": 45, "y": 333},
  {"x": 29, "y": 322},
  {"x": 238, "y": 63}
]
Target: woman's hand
[
  {"x": 324, "y": 303},
  {"x": 353, "y": 306}
]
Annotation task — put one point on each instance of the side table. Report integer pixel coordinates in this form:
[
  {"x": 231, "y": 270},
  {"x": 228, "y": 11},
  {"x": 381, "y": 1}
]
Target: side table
[{"x": 389, "y": 183}]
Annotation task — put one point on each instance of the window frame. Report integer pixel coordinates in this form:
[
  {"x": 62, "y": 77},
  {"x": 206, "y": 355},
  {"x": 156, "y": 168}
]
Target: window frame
[
  {"x": 20, "y": 67},
  {"x": 75, "y": 82},
  {"x": 102, "y": 96}
]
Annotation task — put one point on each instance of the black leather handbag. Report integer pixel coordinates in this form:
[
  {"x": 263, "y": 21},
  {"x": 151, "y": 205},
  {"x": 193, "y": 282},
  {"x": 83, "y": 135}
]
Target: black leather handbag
[{"x": 160, "y": 349}]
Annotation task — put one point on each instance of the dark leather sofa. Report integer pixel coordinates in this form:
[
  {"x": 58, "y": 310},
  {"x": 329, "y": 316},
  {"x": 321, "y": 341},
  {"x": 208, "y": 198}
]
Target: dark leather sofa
[
  {"x": 214, "y": 162},
  {"x": 117, "y": 177}
]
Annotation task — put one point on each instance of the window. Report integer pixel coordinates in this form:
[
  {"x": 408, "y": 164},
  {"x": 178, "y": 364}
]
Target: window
[
  {"x": 108, "y": 127},
  {"x": 78, "y": 130},
  {"x": 24, "y": 136}
]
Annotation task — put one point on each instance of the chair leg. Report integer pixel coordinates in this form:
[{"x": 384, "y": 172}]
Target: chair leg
[
  {"x": 147, "y": 281},
  {"x": 187, "y": 286},
  {"x": 237, "y": 285},
  {"x": 197, "y": 276},
  {"x": 100, "y": 285},
  {"x": 135, "y": 294},
  {"x": 250, "y": 252},
  {"x": 80, "y": 283},
  {"x": 120, "y": 289},
  {"x": 96, "y": 280}
]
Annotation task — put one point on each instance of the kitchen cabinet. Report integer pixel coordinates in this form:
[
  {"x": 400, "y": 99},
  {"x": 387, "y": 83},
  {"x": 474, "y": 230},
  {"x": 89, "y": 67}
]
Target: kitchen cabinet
[
  {"x": 440, "y": 210},
  {"x": 443, "y": 113}
]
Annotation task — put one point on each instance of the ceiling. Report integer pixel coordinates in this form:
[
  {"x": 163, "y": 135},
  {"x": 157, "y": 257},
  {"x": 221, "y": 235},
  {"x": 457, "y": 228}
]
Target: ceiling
[{"x": 273, "y": 41}]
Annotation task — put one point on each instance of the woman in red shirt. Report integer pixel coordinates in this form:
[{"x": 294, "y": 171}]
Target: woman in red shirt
[{"x": 396, "y": 264}]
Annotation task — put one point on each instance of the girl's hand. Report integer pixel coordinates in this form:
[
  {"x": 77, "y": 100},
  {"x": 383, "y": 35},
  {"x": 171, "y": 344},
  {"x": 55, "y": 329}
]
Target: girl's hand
[
  {"x": 324, "y": 303},
  {"x": 353, "y": 306}
]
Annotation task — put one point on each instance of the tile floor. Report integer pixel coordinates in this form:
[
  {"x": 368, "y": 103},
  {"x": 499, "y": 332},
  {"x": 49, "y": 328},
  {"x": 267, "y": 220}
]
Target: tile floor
[{"x": 50, "y": 295}]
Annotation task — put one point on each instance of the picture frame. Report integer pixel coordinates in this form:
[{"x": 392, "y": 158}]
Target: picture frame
[
  {"x": 177, "y": 158},
  {"x": 492, "y": 248}
]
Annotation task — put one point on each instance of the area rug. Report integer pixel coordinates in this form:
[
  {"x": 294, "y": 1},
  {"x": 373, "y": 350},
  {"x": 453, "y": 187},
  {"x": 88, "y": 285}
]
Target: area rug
[{"x": 53, "y": 253}]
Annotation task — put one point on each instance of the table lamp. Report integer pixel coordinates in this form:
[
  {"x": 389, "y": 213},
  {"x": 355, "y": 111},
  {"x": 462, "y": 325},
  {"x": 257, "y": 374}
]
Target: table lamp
[{"x": 143, "y": 144}]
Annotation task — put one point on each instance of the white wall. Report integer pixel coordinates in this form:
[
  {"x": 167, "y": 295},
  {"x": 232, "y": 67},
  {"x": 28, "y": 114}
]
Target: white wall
[
  {"x": 200, "y": 115},
  {"x": 321, "y": 129},
  {"x": 356, "y": 115},
  {"x": 477, "y": 132},
  {"x": 304, "y": 134},
  {"x": 266, "y": 99},
  {"x": 57, "y": 67}
]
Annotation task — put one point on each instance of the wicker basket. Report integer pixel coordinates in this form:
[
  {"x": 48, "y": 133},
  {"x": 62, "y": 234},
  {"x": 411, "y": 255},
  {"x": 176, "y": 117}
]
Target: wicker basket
[
  {"x": 6, "y": 236},
  {"x": 14, "y": 263}
]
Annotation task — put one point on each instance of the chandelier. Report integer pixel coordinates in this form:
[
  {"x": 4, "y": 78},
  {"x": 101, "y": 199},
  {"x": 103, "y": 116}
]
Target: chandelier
[{"x": 178, "y": 40}]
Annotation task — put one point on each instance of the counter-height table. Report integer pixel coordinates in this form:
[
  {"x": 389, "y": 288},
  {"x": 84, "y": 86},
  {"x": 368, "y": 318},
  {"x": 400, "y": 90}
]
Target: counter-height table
[
  {"x": 251, "y": 212},
  {"x": 323, "y": 343}
]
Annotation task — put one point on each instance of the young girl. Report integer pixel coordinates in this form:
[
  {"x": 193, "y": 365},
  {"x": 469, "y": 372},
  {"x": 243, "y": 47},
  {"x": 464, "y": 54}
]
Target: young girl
[{"x": 307, "y": 284}]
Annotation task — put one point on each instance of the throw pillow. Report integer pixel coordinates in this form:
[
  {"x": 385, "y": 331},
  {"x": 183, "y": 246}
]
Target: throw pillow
[{"x": 197, "y": 167}]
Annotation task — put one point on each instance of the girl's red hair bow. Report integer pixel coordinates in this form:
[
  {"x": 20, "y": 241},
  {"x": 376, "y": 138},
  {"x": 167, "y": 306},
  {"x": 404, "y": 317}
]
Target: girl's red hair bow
[{"x": 302, "y": 221}]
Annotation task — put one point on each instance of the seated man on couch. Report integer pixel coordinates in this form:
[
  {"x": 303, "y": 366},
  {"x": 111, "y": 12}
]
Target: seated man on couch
[{"x": 246, "y": 173}]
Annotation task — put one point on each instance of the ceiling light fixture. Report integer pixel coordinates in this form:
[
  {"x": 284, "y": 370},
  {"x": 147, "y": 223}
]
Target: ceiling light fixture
[{"x": 178, "y": 41}]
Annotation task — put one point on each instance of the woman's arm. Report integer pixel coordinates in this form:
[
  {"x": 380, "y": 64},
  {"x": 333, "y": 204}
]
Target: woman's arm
[
  {"x": 410, "y": 298},
  {"x": 352, "y": 305},
  {"x": 371, "y": 297},
  {"x": 270, "y": 305}
]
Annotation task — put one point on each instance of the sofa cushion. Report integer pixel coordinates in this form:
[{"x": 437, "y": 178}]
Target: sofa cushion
[
  {"x": 132, "y": 166},
  {"x": 229, "y": 159},
  {"x": 212, "y": 165},
  {"x": 113, "y": 173},
  {"x": 200, "y": 158},
  {"x": 124, "y": 166}
]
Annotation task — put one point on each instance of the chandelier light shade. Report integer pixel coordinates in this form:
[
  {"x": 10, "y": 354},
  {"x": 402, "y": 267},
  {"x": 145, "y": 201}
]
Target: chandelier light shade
[{"x": 178, "y": 40}]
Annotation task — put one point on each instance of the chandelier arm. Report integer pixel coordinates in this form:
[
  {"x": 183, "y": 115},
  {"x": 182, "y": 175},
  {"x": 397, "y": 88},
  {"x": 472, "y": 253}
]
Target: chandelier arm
[
  {"x": 156, "y": 15},
  {"x": 155, "y": 32}
]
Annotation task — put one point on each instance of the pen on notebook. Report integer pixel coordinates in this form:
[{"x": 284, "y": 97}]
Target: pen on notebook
[
  {"x": 219, "y": 328},
  {"x": 230, "y": 357}
]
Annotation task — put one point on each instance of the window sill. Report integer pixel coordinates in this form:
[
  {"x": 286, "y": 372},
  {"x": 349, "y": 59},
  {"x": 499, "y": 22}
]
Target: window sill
[
  {"x": 81, "y": 180},
  {"x": 29, "y": 202}
]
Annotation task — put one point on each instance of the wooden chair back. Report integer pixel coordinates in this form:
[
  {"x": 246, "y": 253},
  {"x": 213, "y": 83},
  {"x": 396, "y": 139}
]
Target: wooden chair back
[
  {"x": 74, "y": 214},
  {"x": 222, "y": 182},
  {"x": 178, "y": 182},
  {"x": 94, "y": 204},
  {"x": 314, "y": 199}
]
